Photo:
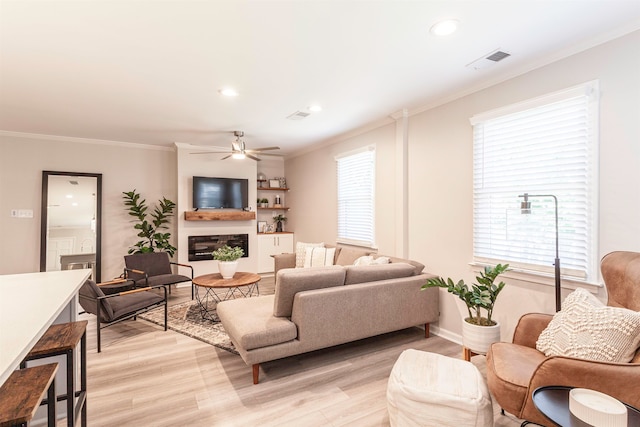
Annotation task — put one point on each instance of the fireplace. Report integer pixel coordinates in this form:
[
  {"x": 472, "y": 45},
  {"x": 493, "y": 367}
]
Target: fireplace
[{"x": 200, "y": 247}]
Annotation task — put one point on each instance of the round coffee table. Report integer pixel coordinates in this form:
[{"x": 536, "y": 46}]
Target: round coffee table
[
  {"x": 212, "y": 288},
  {"x": 553, "y": 402}
]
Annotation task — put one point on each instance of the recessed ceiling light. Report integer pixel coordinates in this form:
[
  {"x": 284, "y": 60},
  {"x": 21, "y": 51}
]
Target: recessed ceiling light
[
  {"x": 444, "y": 28},
  {"x": 69, "y": 196},
  {"x": 315, "y": 108},
  {"x": 228, "y": 91}
]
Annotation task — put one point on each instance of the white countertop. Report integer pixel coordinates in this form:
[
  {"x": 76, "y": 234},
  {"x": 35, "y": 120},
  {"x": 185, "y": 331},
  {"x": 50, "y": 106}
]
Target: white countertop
[{"x": 29, "y": 304}]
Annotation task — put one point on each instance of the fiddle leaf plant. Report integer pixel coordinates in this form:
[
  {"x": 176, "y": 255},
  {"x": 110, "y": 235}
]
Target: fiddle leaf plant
[
  {"x": 150, "y": 230},
  {"x": 481, "y": 296}
]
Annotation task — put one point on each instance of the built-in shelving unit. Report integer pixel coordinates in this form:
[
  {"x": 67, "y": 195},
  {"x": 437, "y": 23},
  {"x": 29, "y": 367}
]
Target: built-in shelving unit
[{"x": 274, "y": 189}]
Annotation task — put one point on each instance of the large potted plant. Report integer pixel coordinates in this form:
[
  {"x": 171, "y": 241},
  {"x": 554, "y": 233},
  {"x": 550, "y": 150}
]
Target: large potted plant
[
  {"x": 479, "y": 329},
  {"x": 153, "y": 239},
  {"x": 227, "y": 258}
]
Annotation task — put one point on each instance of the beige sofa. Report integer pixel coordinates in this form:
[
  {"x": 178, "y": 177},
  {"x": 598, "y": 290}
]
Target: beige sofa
[{"x": 320, "y": 307}]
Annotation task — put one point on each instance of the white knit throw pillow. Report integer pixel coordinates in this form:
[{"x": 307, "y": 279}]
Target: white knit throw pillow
[
  {"x": 318, "y": 257},
  {"x": 588, "y": 329},
  {"x": 300, "y": 250}
]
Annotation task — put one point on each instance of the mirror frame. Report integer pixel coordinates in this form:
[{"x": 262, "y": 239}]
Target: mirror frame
[{"x": 44, "y": 212}]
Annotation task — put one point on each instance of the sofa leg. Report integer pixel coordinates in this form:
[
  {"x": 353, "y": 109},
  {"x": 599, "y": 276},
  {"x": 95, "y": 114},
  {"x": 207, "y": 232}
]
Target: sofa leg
[
  {"x": 256, "y": 372},
  {"x": 426, "y": 330}
]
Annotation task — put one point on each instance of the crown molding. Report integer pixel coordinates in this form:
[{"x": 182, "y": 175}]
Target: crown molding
[{"x": 77, "y": 140}]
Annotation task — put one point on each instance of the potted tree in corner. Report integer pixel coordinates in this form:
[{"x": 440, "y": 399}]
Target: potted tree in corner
[
  {"x": 227, "y": 258},
  {"x": 479, "y": 329}
]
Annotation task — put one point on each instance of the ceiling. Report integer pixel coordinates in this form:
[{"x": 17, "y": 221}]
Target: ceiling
[{"x": 149, "y": 72}]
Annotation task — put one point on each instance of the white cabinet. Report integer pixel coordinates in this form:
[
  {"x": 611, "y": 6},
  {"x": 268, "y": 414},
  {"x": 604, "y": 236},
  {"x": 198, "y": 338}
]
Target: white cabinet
[{"x": 272, "y": 244}]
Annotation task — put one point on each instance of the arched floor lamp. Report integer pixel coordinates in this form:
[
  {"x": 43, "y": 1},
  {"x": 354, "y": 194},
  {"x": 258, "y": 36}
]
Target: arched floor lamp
[{"x": 525, "y": 208}]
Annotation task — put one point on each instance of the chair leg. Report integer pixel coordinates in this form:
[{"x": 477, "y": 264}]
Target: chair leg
[
  {"x": 51, "y": 404},
  {"x": 426, "y": 330},
  {"x": 98, "y": 325}
]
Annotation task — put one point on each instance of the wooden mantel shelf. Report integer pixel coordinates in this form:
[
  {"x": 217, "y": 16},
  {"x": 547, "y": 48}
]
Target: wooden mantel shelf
[{"x": 219, "y": 215}]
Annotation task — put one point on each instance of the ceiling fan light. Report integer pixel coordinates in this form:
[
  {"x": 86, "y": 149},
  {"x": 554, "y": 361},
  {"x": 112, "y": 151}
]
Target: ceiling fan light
[{"x": 238, "y": 156}]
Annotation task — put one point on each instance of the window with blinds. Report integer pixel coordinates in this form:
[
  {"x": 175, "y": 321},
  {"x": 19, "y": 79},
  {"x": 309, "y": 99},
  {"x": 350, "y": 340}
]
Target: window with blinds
[
  {"x": 356, "y": 189},
  {"x": 546, "y": 146}
]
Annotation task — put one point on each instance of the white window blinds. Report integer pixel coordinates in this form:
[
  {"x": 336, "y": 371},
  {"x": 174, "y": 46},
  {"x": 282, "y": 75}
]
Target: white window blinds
[
  {"x": 356, "y": 189},
  {"x": 544, "y": 146}
]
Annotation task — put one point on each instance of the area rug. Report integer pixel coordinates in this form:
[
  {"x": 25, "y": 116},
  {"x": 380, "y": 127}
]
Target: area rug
[{"x": 185, "y": 318}]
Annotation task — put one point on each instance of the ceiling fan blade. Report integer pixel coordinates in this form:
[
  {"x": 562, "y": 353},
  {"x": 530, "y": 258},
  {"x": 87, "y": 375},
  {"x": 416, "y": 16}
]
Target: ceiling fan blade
[
  {"x": 264, "y": 149},
  {"x": 252, "y": 157},
  {"x": 210, "y": 152},
  {"x": 268, "y": 154},
  {"x": 226, "y": 157}
]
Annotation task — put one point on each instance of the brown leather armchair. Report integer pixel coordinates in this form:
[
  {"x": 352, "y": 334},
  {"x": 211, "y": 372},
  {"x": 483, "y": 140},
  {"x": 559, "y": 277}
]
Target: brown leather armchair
[{"x": 515, "y": 370}]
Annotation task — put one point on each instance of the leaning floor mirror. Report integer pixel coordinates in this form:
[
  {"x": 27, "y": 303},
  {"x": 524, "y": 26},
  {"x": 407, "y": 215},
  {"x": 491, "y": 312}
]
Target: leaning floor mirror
[{"x": 70, "y": 234}]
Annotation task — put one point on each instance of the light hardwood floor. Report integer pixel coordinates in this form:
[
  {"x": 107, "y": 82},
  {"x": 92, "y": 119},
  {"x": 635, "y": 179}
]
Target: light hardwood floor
[{"x": 147, "y": 377}]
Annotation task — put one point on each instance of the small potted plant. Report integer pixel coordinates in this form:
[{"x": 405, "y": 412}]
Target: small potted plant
[
  {"x": 279, "y": 219},
  {"x": 479, "y": 330},
  {"x": 227, "y": 258},
  {"x": 264, "y": 203}
]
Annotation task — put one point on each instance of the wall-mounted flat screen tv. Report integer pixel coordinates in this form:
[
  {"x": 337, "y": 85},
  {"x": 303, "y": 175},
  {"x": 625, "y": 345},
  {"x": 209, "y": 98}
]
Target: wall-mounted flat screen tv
[{"x": 220, "y": 193}]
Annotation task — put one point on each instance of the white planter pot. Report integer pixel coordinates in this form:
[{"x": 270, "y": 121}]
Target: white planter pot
[
  {"x": 479, "y": 338},
  {"x": 227, "y": 268}
]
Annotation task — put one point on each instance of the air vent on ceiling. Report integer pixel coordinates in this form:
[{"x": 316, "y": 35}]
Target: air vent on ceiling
[
  {"x": 74, "y": 182},
  {"x": 298, "y": 115},
  {"x": 489, "y": 59}
]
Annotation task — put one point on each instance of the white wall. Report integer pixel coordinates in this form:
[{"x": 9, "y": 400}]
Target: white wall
[
  {"x": 440, "y": 176},
  {"x": 312, "y": 198},
  {"x": 22, "y": 159},
  {"x": 190, "y": 165}
]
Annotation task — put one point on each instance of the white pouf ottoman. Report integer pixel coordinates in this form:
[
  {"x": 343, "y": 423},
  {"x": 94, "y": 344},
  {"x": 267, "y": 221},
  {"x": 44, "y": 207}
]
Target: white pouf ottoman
[{"x": 428, "y": 389}]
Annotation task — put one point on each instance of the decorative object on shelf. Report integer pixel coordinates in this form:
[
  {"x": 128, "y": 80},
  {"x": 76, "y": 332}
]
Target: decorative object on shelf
[
  {"x": 478, "y": 331},
  {"x": 264, "y": 202},
  {"x": 274, "y": 183},
  {"x": 279, "y": 219},
  {"x": 283, "y": 182},
  {"x": 525, "y": 208},
  {"x": 262, "y": 179},
  {"x": 277, "y": 201},
  {"x": 227, "y": 258},
  {"x": 152, "y": 238},
  {"x": 262, "y": 226}
]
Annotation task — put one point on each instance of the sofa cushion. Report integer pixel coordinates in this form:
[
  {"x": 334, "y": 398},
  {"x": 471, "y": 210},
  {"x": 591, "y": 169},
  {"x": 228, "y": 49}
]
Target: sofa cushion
[
  {"x": 301, "y": 249},
  {"x": 418, "y": 267},
  {"x": 318, "y": 257},
  {"x": 588, "y": 329},
  {"x": 250, "y": 322},
  {"x": 349, "y": 255},
  {"x": 374, "y": 272},
  {"x": 126, "y": 304},
  {"x": 293, "y": 280}
]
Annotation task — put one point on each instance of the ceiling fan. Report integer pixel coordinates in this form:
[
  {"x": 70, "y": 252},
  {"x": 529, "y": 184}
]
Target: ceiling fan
[{"x": 239, "y": 150}]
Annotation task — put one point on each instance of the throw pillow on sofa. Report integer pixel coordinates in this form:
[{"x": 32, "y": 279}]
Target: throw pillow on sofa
[
  {"x": 318, "y": 257},
  {"x": 301, "y": 249},
  {"x": 588, "y": 329},
  {"x": 370, "y": 260}
]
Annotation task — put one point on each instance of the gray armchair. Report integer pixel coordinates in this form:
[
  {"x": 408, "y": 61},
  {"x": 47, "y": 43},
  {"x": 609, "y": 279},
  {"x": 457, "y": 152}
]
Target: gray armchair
[
  {"x": 112, "y": 308},
  {"x": 154, "y": 269}
]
